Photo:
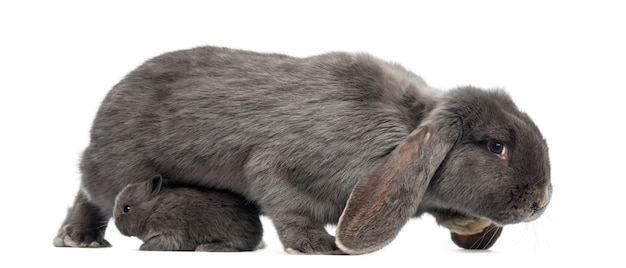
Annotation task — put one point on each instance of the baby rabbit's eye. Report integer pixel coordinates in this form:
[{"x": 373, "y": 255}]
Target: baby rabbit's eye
[
  {"x": 126, "y": 208},
  {"x": 498, "y": 148}
]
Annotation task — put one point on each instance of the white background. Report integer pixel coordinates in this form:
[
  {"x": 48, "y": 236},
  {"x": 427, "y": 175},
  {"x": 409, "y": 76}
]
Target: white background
[{"x": 564, "y": 62}]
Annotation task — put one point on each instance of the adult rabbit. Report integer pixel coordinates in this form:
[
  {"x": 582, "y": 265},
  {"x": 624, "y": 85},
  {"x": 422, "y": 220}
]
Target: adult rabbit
[{"x": 335, "y": 138}]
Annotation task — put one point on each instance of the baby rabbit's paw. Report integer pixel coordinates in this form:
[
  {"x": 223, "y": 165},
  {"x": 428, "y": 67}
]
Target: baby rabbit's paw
[{"x": 164, "y": 242}]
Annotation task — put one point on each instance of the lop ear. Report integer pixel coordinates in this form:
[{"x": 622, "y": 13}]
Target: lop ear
[
  {"x": 154, "y": 185},
  {"x": 388, "y": 195}
]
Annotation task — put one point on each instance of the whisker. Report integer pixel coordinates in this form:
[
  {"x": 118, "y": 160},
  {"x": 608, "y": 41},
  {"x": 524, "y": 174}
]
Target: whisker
[
  {"x": 539, "y": 181},
  {"x": 493, "y": 235},
  {"x": 478, "y": 241},
  {"x": 478, "y": 244}
]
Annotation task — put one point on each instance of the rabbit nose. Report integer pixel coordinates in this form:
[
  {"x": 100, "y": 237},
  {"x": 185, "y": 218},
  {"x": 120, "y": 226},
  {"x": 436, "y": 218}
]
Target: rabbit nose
[
  {"x": 536, "y": 212},
  {"x": 545, "y": 199},
  {"x": 540, "y": 205}
]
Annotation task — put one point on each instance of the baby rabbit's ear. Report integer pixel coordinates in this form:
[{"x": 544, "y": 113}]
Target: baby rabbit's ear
[
  {"x": 389, "y": 194},
  {"x": 154, "y": 185}
]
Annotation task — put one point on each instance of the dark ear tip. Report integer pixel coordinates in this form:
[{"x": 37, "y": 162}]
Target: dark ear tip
[{"x": 483, "y": 240}]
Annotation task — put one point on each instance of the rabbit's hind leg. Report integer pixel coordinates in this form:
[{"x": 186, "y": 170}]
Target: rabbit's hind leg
[{"x": 84, "y": 225}]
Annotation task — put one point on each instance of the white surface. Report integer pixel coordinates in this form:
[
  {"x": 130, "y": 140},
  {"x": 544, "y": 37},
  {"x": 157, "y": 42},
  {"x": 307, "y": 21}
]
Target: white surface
[{"x": 563, "y": 63}]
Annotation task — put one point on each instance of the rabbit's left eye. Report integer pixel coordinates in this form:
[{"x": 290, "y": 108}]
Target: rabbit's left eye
[
  {"x": 497, "y": 148},
  {"x": 126, "y": 208}
]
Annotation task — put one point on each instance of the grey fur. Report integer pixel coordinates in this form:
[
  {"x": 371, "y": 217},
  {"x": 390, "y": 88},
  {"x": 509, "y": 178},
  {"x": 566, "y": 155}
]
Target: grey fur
[
  {"x": 184, "y": 218},
  {"x": 295, "y": 135}
]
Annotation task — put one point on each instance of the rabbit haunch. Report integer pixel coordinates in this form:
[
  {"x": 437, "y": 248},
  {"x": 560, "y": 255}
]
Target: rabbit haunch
[{"x": 306, "y": 140}]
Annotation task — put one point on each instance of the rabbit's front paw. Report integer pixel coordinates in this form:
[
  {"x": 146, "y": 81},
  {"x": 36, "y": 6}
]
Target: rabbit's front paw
[
  {"x": 300, "y": 234},
  {"x": 164, "y": 242},
  {"x": 320, "y": 245}
]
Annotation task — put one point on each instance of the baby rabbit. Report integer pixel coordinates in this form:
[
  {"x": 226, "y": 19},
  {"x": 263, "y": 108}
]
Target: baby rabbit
[
  {"x": 184, "y": 218},
  {"x": 337, "y": 138}
]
